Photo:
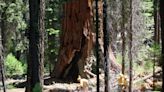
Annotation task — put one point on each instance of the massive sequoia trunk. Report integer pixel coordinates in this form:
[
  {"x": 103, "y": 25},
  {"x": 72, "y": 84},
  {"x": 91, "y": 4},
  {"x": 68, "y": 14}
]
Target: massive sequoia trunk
[{"x": 76, "y": 39}]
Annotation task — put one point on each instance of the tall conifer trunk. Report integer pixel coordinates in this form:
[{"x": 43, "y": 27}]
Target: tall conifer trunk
[
  {"x": 36, "y": 45},
  {"x": 162, "y": 38},
  {"x": 123, "y": 36},
  {"x": 130, "y": 34},
  {"x": 156, "y": 34},
  {"x": 2, "y": 74},
  {"x": 156, "y": 22},
  {"x": 106, "y": 47}
]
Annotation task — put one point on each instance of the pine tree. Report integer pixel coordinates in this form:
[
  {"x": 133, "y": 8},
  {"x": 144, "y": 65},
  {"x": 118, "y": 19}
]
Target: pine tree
[
  {"x": 156, "y": 22},
  {"x": 2, "y": 74},
  {"x": 130, "y": 34},
  {"x": 97, "y": 46},
  {"x": 162, "y": 39},
  {"x": 36, "y": 46},
  {"x": 123, "y": 36},
  {"x": 106, "y": 47}
]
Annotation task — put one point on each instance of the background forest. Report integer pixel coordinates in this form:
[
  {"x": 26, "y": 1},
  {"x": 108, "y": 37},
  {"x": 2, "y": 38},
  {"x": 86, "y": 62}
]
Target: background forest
[{"x": 54, "y": 55}]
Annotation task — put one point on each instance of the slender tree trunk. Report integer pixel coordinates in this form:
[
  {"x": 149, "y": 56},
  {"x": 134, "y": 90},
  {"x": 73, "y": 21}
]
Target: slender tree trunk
[
  {"x": 123, "y": 36},
  {"x": 162, "y": 38},
  {"x": 156, "y": 22},
  {"x": 97, "y": 46},
  {"x": 2, "y": 74},
  {"x": 99, "y": 39},
  {"x": 106, "y": 47},
  {"x": 123, "y": 51},
  {"x": 36, "y": 45},
  {"x": 130, "y": 48},
  {"x": 156, "y": 33}
]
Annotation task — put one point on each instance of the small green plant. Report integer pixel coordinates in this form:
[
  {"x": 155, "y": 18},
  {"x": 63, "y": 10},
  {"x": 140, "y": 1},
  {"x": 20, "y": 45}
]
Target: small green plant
[
  {"x": 148, "y": 65},
  {"x": 37, "y": 88},
  {"x": 10, "y": 86},
  {"x": 13, "y": 66},
  {"x": 155, "y": 50}
]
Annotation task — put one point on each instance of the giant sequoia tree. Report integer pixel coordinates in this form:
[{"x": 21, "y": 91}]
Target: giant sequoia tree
[
  {"x": 76, "y": 39},
  {"x": 36, "y": 45}
]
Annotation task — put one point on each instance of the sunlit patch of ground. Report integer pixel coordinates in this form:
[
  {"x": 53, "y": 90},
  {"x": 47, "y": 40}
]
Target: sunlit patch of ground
[{"x": 16, "y": 90}]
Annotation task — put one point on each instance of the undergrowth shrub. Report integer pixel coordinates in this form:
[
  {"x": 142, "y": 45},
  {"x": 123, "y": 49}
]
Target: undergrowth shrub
[{"x": 13, "y": 66}]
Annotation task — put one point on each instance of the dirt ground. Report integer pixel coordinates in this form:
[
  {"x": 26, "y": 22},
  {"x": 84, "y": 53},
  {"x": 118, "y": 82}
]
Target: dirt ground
[{"x": 15, "y": 90}]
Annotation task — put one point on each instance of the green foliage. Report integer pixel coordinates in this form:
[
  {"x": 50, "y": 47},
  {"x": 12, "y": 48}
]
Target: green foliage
[
  {"x": 53, "y": 26},
  {"x": 146, "y": 58},
  {"x": 21, "y": 46},
  {"x": 148, "y": 17},
  {"x": 10, "y": 86},
  {"x": 2, "y": 5},
  {"x": 155, "y": 50},
  {"x": 46, "y": 68},
  {"x": 13, "y": 66},
  {"x": 52, "y": 31},
  {"x": 14, "y": 13},
  {"x": 155, "y": 53},
  {"x": 148, "y": 6},
  {"x": 148, "y": 65},
  {"x": 37, "y": 88},
  {"x": 24, "y": 68}
]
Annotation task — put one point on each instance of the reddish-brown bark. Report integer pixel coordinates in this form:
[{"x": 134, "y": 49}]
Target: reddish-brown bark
[
  {"x": 76, "y": 37},
  {"x": 77, "y": 40}
]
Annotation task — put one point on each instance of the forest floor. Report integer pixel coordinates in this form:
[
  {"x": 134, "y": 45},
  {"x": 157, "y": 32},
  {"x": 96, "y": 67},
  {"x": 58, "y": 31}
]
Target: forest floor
[
  {"x": 16, "y": 90},
  {"x": 142, "y": 83}
]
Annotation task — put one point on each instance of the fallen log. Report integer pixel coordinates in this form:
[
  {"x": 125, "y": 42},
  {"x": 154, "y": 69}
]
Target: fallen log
[
  {"x": 89, "y": 73},
  {"x": 147, "y": 77},
  {"x": 149, "y": 81}
]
